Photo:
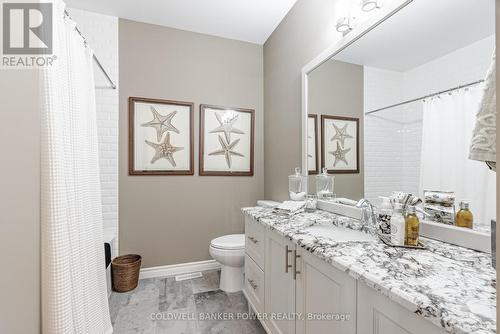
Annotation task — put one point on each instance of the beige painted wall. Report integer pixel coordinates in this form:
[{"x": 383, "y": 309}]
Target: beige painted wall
[
  {"x": 20, "y": 202},
  {"x": 336, "y": 88},
  {"x": 171, "y": 219},
  {"x": 307, "y": 29}
]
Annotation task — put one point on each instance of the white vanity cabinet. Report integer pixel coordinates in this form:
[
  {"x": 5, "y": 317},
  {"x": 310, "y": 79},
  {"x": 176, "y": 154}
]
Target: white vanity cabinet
[
  {"x": 280, "y": 283},
  {"x": 283, "y": 280},
  {"x": 325, "y": 296},
  {"x": 378, "y": 314},
  {"x": 254, "y": 285}
]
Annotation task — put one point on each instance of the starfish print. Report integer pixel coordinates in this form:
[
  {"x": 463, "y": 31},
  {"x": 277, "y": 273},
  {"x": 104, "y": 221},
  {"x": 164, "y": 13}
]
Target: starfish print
[
  {"x": 339, "y": 155},
  {"x": 164, "y": 150},
  {"x": 161, "y": 123},
  {"x": 226, "y": 122},
  {"x": 227, "y": 150},
  {"x": 340, "y": 134}
]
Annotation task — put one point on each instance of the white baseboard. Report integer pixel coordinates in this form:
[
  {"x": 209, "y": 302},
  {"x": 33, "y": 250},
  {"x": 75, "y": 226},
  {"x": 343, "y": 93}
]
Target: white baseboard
[{"x": 178, "y": 269}]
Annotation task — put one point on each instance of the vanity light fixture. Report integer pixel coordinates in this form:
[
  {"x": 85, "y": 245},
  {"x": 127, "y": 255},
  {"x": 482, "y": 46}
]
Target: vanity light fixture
[
  {"x": 369, "y": 5},
  {"x": 344, "y": 25}
]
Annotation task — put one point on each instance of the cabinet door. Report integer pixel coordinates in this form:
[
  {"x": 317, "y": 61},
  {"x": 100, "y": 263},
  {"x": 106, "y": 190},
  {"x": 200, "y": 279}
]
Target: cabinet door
[
  {"x": 326, "y": 297},
  {"x": 279, "y": 284},
  {"x": 377, "y": 314}
]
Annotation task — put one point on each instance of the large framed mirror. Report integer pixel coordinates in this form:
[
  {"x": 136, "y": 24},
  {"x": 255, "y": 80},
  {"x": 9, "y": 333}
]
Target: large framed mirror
[{"x": 394, "y": 105}]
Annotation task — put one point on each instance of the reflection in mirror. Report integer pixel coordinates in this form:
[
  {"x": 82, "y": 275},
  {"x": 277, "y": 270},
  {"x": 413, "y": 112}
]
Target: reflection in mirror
[
  {"x": 335, "y": 95},
  {"x": 396, "y": 110},
  {"x": 312, "y": 144}
]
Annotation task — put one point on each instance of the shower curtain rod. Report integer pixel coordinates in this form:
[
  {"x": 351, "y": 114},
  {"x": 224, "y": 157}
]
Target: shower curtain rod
[
  {"x": 113, "y": 86},
  {"x": 426, "y": 96}
]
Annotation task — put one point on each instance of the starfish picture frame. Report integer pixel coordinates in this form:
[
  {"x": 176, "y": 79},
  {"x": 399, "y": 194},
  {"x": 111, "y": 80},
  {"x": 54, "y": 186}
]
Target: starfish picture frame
[
  {"x": 161, "y": 137},
  {"x": 226, "y": 141},
  {"x": 340, "y": 144}
]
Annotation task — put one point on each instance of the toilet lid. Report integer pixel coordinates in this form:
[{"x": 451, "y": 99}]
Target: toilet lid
[{"x": 232, "y": 241}]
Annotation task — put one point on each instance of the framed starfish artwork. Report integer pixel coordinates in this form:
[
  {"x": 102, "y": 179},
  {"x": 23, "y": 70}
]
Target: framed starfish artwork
[
  {"x": 340, "y": 144},
  {"x": 312, "y": 144},
  {"x": 226, "y": 141},
  {"x": 160, "y": 137}
]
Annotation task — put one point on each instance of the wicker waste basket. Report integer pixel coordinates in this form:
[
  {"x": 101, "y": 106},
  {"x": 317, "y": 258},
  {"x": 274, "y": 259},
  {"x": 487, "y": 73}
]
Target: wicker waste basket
[{"x": 125, "y": 270}]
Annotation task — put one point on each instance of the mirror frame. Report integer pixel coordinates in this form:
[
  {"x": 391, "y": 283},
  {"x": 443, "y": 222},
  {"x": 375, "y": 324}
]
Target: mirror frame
[{"x": 462, "y": 237}]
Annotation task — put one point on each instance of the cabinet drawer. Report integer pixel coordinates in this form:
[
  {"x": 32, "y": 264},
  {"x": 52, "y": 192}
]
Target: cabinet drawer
[
  {"x": 254, "y": 284},
  {"x": 254, "y": 243}
]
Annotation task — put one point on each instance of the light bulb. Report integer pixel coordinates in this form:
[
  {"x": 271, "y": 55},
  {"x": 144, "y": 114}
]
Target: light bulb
[{"x": 344, "y": 25}]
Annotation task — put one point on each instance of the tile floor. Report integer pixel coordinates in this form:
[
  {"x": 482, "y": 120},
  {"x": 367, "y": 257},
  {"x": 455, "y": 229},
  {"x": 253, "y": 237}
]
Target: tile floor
[{"x": 181, "y": 308}]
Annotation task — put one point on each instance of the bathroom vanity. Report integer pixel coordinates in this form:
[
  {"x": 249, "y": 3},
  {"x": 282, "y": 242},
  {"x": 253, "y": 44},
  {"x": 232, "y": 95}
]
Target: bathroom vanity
[
  {"x": 323, "y": 273},
  {"x": 383, "y": 111}
]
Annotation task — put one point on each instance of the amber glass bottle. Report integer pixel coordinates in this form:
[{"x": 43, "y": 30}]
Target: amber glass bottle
[
  {"x": 464, "y": 217},
  {"x": 412, "y": 227}
]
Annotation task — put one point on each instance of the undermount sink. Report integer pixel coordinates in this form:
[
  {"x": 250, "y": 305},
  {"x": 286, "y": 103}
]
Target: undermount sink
[{"x": 340, "y": 234}]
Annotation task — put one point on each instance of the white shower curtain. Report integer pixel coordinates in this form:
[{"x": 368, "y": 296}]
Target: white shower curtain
[
  {"x": 448, "y": 121},
  {"x": 74, "y": 294}
]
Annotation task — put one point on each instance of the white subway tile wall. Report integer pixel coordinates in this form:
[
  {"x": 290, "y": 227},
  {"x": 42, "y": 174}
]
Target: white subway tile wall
[
  {"x": 393, "y": 137},
  {"x": 383, "y": 157},
  {"x": 101, "y": 31}
]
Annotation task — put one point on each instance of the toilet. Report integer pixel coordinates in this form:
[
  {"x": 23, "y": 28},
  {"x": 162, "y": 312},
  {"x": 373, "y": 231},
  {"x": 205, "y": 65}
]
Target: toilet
[{"x": 229, "y": 251}]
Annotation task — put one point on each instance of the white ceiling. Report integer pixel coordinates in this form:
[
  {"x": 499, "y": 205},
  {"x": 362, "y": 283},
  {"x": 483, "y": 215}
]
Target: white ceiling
[
  {"x": 246, "y": 20},
  {"x": 423, "y": 31}
]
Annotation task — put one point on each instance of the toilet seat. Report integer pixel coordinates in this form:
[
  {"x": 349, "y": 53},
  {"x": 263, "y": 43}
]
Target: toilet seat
[
  {"x": 229, "y": 252},
  {"x": 229, "y": 242}
]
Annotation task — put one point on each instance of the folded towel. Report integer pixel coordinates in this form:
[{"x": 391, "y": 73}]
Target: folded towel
[
  {"x": 267, "y": 203},
  {"x": 290, "y": 208},
  {"x": 483, "y": 143},
  {"x": 440, "y": 214},
  {"x": 444, "y": 198},
  {"x": 346, "y": 201}
]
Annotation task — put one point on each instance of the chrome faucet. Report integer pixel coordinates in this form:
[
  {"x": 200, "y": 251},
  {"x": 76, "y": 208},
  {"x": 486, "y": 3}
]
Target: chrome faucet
[{"x": 368, "y": 210}]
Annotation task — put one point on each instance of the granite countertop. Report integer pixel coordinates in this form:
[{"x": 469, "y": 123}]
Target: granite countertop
[{"x": 451, "y": 286}]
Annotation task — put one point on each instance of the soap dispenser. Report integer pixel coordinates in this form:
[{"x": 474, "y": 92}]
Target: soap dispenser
[
  {"x": 384, "y": 215},
  {"x": 464, "y": 217},
  {"x": 412, "y": 226},
  {"x": 296, "y": 185},
  {"x": 324, "y": 185},
  {"x": 398, "y": 231}
]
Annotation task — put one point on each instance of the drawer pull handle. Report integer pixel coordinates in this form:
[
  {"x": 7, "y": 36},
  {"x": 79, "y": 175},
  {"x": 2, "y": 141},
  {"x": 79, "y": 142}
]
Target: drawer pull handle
[
  {"x": 252, "y": 239},
  {"x": 295, "y": 271},
  {"x": 287, "y": 266},
  {"x": 252, "y": 284}
]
